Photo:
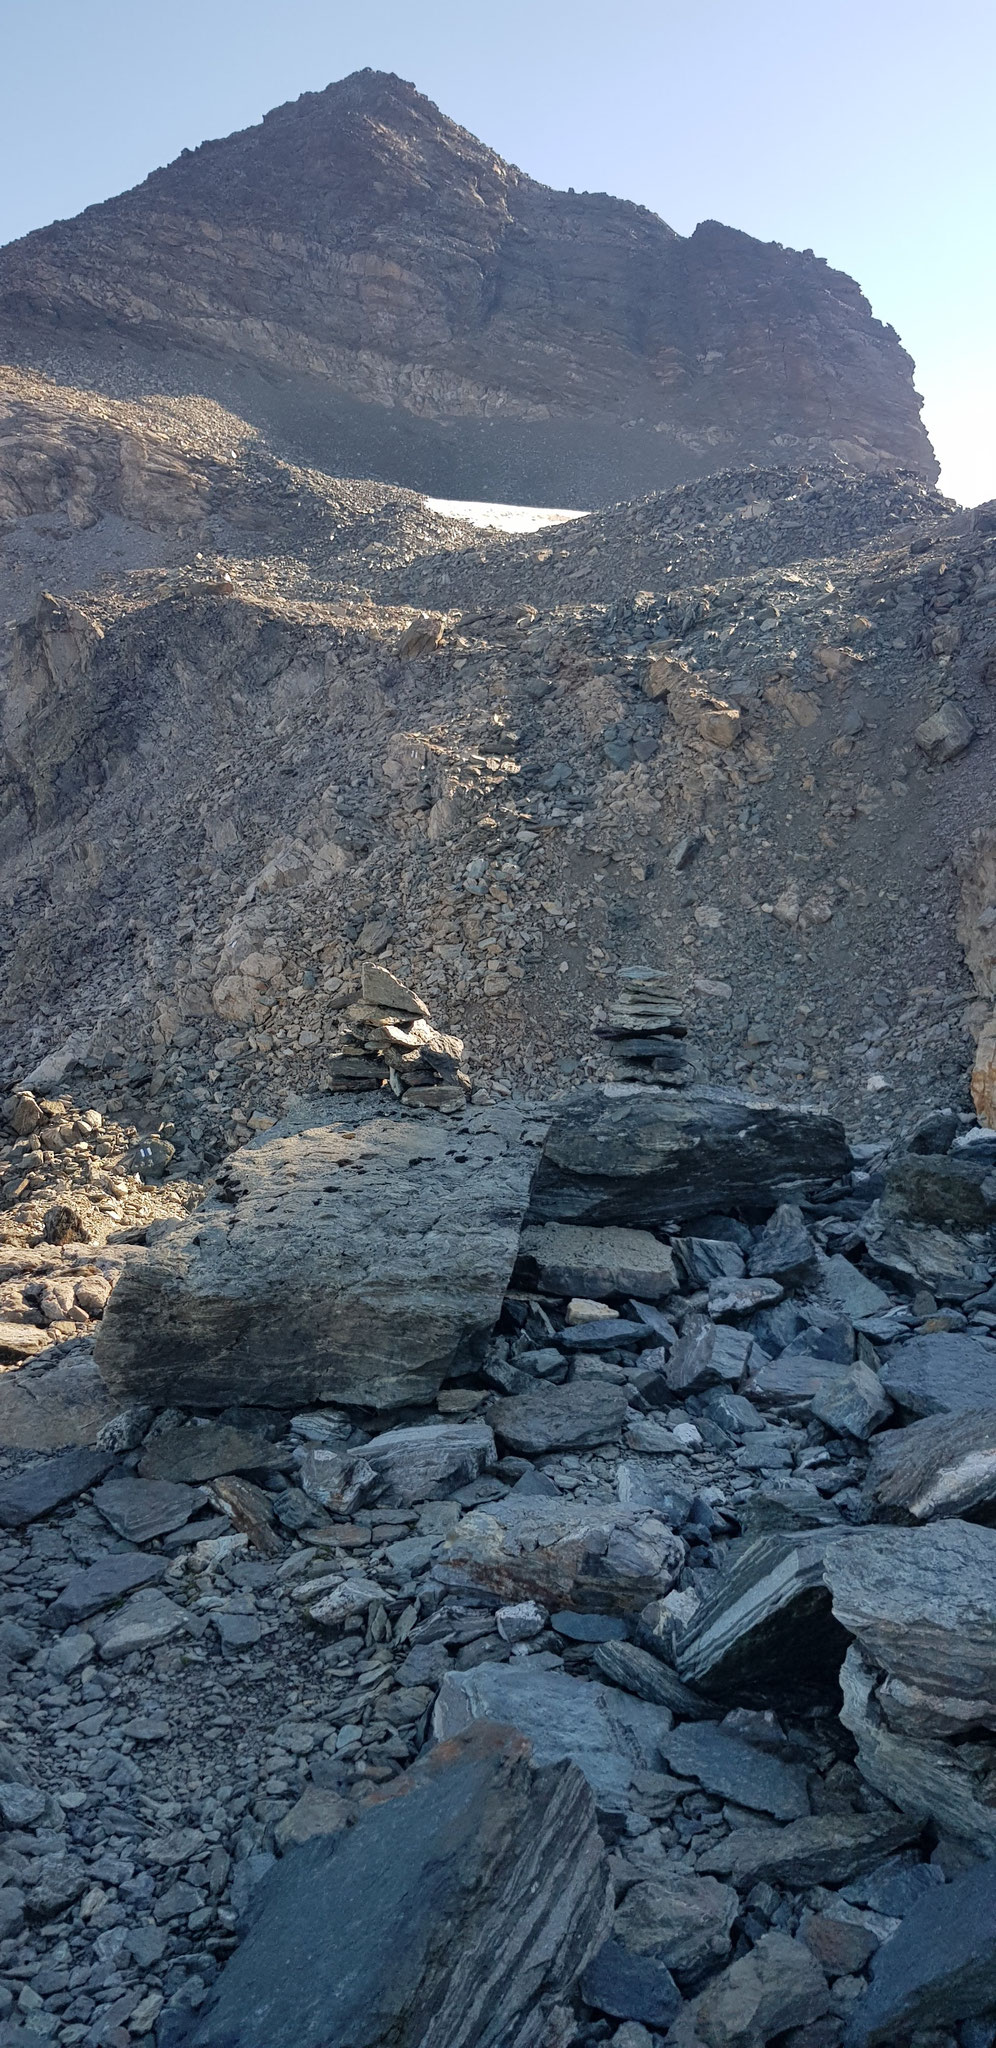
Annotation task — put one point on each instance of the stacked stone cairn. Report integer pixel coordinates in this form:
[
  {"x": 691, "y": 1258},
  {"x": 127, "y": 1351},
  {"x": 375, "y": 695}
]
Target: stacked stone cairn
[
  {"x": 644, "y": 1021},
  {"x": 387, "y": 1038}
]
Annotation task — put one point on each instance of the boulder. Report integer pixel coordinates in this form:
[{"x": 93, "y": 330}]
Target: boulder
[
  {"x": 559, "y": 1418},
  {"x": 921, "y": 1603},
  {"x": 629, "y": 1987},
  {"x": 643, "y": 1157},
  {"x": 818, "y": 1849},
  {"x": 571, "y": 1259},
  {"x": 682, "y": 1920},
  {"x": 944, "y": 1465},
  {"x": 428, "y": 1461},
  {"x": 54, "y": 1407},
  {"x": 39, "y": 1489},
  {"x": 945, "y": 1783},
  {"x": 855, "y": 1404},
  {"x": 941, "y": 1189},
  {"x": 101, "y": 1584},
  {"x": 606, "y": 1733},
  {"x": 196, "y": 1451},
  {"x": 639, "y": 1672},
  {"x": 766, "y": 1633},
  {"x": 591, "y": 1556},
  {"x": 358, "y": 1264},
  {"x": 705, "y": 1356},
  {"x": 784, "y": 1251},
  {"x": 938, "y": 1969},
  {"x": 462, "y": 1905},
  {"x": 938, "y": 1375},
  {"x": 777, "y": 1985}
]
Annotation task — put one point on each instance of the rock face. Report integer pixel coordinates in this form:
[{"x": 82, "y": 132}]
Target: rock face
[
  {"x": 351, "y": 1264},
  {"x": 643, "y": 1158},
  {"x": 417, "y": 294},
  {"x": 352, "y": 1937}
]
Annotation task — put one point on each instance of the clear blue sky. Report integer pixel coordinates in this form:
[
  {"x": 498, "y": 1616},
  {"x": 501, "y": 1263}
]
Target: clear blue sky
[{"x": 863, "y": 129}]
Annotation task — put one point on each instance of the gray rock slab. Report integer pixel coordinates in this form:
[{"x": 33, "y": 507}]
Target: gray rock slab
[
  {"x": 705, "y": 1259},
  {"x": 53, "y": 1408},
  {"x": 583, "y": 1413},
  {"x": 144, "y": 1621},
  {"x": 629, "y": 1987},
  {"x": 428, "y": 1461},
  {"x": 825, "y": 1848},
  {"x": 942, "y": 1782},
  {"x": 607, "y": 1733},
  {"x": 43, "y": 1487},
  {"x": 639, "y": 1672},
  {"x": 777, "y": 1985},
  {"x": 706, "y": 1355},
  {"x": 937, "y": 1375},
  {"x": 734, "y": 1769},
  {"x": 99, "y": 1585},
  {"x": 196, "y": 1451},
  {"x": 938, "y": 1969},
  {"x": 944, "y": 1465},
  {"x": 854, "y": 1405},
  {"x": 846, "y": 1288},
  {"x": 358, "y": 1264},
  {"x": 766, "y": 1631},
  {"x": 681, "y": 1919},
  {"x": 459, "y": 1909},
  {"x": 592, "y": 1556},
  {"x": 785, "y": 1249},
  {"x": 791, "y": 1384},
  {"x": 141, "y": 1509},
  {"x": 922, "y": 1605},
  {"x": 607, "y": 1333},
  {"x": 919, "y": 1255},
  {"x": 571, "y": 1259},
  {"x": 642, "y": 1157}
]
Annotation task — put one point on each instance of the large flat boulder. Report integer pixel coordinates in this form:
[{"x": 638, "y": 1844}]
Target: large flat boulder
[
  {"x": 572, "y": 1259},
  {"x": 357, "y": 1263},
  {"x": 937, "y": 1374},
  {"x": 606, "y": 1733},
  {"x": 457, "y": 1911},
  {"x": 642, "y": 1156}
]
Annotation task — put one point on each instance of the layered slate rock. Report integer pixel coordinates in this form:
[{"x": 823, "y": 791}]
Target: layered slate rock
[
  {"x": 355, "y": 1264},
  {"x": 592, "y": 1556},
  {"x": 821, "y": 1848},
  {"x": 939, "y": 1374},
  {"x": 464, "y": 1902},
  {"x": 944, "y": 1465},
  {"x": 606, "y": 1733},
  {"x": 613, "y": 1155},
  {"x": 571, "y": 1259},
  {"x": 767, "y": 1630},
  {"x": 938, "y": 1969}
]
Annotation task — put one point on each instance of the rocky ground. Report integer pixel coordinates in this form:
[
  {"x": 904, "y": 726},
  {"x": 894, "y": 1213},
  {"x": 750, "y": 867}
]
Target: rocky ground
[
  {"x": 700, "y": 1458},
  {"x": 699, "y": 732}
]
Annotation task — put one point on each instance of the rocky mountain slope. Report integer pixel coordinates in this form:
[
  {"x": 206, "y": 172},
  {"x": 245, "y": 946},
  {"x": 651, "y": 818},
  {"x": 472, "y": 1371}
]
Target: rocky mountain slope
[
  {"x": 266, "y": 725},
  {"x": 391, "y": 299}
]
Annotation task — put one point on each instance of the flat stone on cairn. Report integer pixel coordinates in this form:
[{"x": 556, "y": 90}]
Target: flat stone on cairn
[{"x": 645, "y": 1023}]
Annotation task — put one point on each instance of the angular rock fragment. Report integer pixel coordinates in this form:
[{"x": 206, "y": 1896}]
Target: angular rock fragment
[
  {"x": 936, "y": 1375},
  {"x": 944, "y": 1465},
  {"x": 629, "y": 1987},
  {"x": 142, "y": 1623},
  {"x": 766, "y": 1633},
  {"x": 428, "y": 1462},
  {"x": 570, "y": 1259},
  {"x": 649, "y": 1678},
  {"x": 141, "y": 1509},
  {"x": 793, "y": 1383},
  {"x": 706, "y": 1356},
  {"x": 207, "y": 1451},
  {"x": 945, "y": 1783},
  {"x": 54, "y": 1407},
  {"x": 591, "y": 1556},
  {"x": 938, "y": 1969},
  {"x": 945, "y": 734},
  {"x": 35, "y": 1492},
  {"x": 921, "y": 1603},
  {"x": 458, "y": 1910},
  {"x": 777, "y": 1985},
  {"x": 683, "y": 1920},
  {"x": 559, "y": 1418},
  {"x": 725, "y": 1764},
  {"x": 822, "y": 1848},
  {"x": 101, "y": 1584},
  {"x": 785, "y": 1250},
  {"x": 647, "y": 1159},
  {"x": 855, "y": 1404},
  {"x": 313, "y": 1275},
  {"x": 606, "y": 1733}
]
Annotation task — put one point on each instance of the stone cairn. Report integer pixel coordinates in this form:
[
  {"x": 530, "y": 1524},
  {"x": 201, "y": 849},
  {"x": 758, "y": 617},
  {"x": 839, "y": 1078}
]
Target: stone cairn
[
  {"x": 387, "y": 1037},
  {"x": 644, "y": 1021}
]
